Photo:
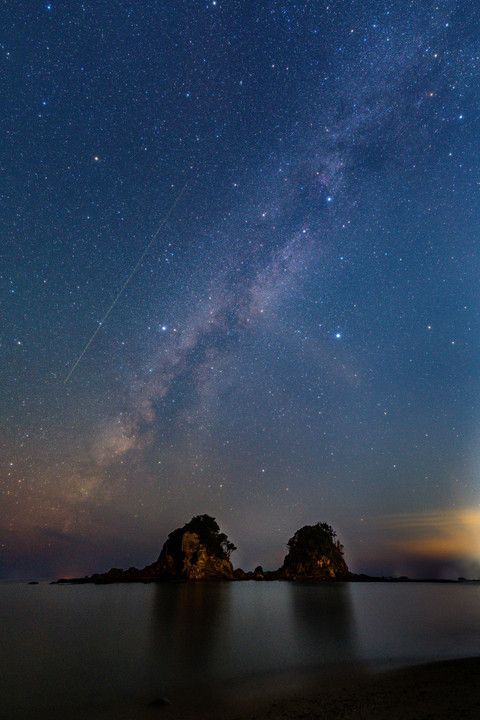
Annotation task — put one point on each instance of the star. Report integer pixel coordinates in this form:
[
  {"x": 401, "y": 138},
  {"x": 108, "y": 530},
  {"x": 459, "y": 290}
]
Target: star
[{"x": 306, "y": 202}]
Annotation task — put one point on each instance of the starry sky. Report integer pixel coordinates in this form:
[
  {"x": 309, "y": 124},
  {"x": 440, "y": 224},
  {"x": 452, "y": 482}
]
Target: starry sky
[{"x": 239, "y": 276}]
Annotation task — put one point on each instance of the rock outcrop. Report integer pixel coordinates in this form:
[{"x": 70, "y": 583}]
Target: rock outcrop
[
  {"x": 198, "y": 551},
  {"x": 314, "y": 554},
  {"x": 258, "y": 573}
]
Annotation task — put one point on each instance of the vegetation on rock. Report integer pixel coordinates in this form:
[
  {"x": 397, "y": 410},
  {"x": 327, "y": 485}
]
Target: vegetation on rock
[{"x": 206, "y": 527}]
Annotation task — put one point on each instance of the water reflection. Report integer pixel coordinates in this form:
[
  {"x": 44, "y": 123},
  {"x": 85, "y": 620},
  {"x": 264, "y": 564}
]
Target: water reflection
[
  {"x": 99, "y": 649},
  {"x": 324, "y": 623},
  {"x": 207, "y": 635},
  {"x": 186, "y": 636}
]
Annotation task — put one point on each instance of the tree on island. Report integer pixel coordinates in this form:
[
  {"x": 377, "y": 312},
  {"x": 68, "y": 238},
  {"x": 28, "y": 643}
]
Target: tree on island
[
  {"x": 314, "y": 552},
  {"x": 208, "y": 531}
]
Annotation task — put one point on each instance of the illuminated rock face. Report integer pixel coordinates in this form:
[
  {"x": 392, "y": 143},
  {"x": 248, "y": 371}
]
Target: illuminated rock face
[
  {"x": 191, "y": 555},
  {"x": 199, "y": 564},
  {"x": 317, "y": 568},
  {"x": 314, "y": 554}
]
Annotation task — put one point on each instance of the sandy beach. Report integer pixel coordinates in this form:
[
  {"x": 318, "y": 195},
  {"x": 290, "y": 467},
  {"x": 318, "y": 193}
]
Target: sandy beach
[
  {"x": 444, "y": 690},
  {"x": 435, "y": 691},
  {"x": 439, "y": 690}
]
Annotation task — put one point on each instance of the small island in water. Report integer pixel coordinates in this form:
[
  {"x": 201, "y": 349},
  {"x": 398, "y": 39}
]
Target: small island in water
[{"x": 199, "y": 551}]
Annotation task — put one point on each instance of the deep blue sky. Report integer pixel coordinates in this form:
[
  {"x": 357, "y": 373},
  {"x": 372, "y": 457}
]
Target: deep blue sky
[{"x": 300, "y": 342}]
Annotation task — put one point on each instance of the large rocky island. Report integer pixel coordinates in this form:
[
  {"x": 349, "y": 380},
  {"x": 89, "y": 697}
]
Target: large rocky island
[{"x": 199, "y": 551}]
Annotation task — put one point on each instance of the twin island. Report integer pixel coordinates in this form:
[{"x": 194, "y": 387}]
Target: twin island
[{"x": 199, "y": 551}]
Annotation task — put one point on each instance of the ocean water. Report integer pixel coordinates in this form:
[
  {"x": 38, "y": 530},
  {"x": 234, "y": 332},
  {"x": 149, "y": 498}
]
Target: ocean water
[{"x": 108, "y": 651}]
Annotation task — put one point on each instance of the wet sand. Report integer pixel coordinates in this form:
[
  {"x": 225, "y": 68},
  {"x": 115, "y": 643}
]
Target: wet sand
[
  {"x": 440, "y": 690},
  {"x": 444, "y": 690}
]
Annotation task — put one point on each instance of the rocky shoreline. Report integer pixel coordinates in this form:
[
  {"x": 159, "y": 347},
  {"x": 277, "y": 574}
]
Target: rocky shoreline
[{"x": 117, "y": 575}]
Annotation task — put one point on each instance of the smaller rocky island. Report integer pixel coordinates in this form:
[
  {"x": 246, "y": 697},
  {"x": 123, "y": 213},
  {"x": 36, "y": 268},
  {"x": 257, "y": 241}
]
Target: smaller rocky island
[
  {"x": 199, "y": 551},
  {"x": 314, "y": 553}
]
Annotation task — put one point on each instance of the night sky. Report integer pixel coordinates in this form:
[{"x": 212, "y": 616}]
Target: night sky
[{"x": 239, "y": 276}]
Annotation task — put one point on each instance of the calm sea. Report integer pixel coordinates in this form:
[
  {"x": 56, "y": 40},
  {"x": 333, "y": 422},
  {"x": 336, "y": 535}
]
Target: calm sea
[{"x": 81, "y": 651}]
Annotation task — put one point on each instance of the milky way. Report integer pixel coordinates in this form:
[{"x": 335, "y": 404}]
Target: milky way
[{"x": 299, "y": 342}]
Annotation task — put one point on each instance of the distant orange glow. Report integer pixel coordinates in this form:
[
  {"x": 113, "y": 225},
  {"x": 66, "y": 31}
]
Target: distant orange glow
[
  {"x": 439, "y": 534},
  {"x": 433, "y": 547}
]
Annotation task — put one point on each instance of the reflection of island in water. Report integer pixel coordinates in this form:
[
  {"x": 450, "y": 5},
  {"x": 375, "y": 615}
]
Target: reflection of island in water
[
  {"x": 186, "y": 638},
  {"x": 213, "y": 640},
  {"x": 324, "y": 622},
  {"x": 114, "y": 650}
]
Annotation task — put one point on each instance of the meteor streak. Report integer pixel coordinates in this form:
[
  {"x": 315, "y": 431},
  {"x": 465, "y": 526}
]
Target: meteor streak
[{"x": 119, "y": 294}]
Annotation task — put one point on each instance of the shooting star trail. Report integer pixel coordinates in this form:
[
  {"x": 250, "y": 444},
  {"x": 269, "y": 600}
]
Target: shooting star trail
[{"x": 120, "y": 292}]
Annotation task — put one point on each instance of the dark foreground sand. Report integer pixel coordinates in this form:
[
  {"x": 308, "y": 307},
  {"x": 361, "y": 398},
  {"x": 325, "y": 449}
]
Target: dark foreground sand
[
  {"x": 447, "y": 690},
  {"x": 440, "y": 690}
]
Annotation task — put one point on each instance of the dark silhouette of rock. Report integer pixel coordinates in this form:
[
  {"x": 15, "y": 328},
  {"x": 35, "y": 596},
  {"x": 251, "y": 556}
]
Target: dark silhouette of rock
[
  {"x": 239, "y": 574},
  {"x": 273, "y": 575},
  {"x": 258, "y": 573},
  {"x": 314, "y": 553}
]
